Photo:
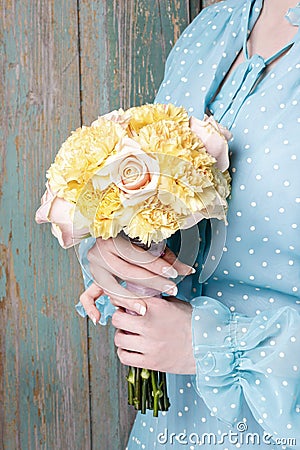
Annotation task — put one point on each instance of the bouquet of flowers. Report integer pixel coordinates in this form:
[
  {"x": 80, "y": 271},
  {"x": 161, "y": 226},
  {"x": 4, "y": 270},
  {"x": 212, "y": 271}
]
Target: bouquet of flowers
[{"x": 146, "y": 172}]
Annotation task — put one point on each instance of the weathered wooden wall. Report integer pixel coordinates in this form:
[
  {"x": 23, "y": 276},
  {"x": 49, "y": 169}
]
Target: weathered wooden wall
[{"x": 63, "y": 63}]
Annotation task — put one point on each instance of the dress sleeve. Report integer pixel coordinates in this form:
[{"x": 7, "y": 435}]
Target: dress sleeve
[{"x": 255, "y": 357}]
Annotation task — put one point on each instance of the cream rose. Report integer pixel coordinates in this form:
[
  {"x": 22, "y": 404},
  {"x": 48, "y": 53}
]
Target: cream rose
[
  {"x": 214, "y": 136},
  {"x": 135, "y": 172},
  {"x": 60, "y": 213},
  {"x": 118, "y": 116}
]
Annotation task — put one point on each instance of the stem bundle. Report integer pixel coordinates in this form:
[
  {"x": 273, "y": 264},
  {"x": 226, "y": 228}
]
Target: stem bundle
[{"x": 147, "y": 389}]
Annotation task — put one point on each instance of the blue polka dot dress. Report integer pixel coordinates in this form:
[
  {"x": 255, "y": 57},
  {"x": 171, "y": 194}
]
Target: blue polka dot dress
[{"x": 246, "y": 314}]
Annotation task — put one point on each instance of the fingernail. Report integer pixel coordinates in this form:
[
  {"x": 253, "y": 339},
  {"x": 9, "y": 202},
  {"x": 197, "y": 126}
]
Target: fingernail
[
  {"x": 171, "y": 290},
  {"x": 93, "y": 319},
  {"x": 141, "y": 309},
  {"x": 170, "y": 272},
  {"x": 193, "y": 270}
]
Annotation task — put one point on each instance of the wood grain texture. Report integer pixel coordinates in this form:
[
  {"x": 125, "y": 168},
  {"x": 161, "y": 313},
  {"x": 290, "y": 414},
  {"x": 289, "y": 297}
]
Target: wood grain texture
[
  {"x": 205, "y": 3},
  {"x": 62, "y": 64},
  {"x": 44, "y": 371}
]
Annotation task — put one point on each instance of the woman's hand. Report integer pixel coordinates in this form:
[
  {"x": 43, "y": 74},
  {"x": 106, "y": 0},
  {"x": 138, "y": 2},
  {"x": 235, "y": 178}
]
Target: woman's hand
[
  {"x": 159, "y": 340},
  {"x": 118, "y": 259}
]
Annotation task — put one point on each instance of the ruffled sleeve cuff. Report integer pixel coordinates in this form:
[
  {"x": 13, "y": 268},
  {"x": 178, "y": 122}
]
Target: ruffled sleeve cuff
[
  {"x": 102, "y": 303},
  {"x": 254, "y": 357}
]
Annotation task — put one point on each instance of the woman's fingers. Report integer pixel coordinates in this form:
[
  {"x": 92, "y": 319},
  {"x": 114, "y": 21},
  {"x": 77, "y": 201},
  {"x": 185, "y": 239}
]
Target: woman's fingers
[
  {"x": 122, "y": 248},
  {"x": 88, "y": 298},
  {"x": 129, "y": 358},
  {"x": 181, "y": 268},
  {"x": 129, "y": 342},
  {"x": 140, "y": 276},
  {"x": 122, "y": 298},
  {"x": 127, "y": 322}
]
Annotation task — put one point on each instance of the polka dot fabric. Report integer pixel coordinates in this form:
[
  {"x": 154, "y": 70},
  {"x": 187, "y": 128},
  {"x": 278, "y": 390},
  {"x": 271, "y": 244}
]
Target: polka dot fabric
[{"x": 246, "y": 317}]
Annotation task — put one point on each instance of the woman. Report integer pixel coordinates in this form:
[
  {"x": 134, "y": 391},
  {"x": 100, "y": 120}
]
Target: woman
[{"x": 234, "y": 361}]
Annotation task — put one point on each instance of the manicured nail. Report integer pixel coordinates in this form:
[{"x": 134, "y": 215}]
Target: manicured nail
[
  {"x": 141, "y": 309},
  {"x": 93, "y": 319},
  {"x": 193, "y": 270},
  {"x": 170, "y": 272},
  {"x": 171, "y": 290}
]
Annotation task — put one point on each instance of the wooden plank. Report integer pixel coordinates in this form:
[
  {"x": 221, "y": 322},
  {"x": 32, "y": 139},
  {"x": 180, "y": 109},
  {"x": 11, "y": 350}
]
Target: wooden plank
[
  {"x": 43, "y": 360},
  {"x": 208, "y": 2},
  {"x": 195, "y": 8},
  {"x": 123, "y": 47}
]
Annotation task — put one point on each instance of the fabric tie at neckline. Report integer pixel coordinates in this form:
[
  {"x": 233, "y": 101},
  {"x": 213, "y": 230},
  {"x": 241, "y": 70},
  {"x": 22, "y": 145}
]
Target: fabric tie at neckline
[
  {"x": 293, "y": 15},
  {"x": 246, "y": 75},
  {"x": 242, "y": 81}
]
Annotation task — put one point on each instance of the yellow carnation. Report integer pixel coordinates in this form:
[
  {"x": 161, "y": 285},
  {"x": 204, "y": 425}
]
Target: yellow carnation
[
  {"x": 105, "y": 223},
  {"x": 147, "y": 114},
  {"x": 81, "y": 155},
  {"x": 154, "y": 222},
  {"x": 170, "y": 138},
  {"x": 89, "y": 201}
]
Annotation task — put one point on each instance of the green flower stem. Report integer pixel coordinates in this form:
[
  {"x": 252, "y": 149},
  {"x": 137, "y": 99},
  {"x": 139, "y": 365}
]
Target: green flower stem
[
  {"x": 147, "y": 389},
  {"x": 149, "y": 396},
  {"x": 157, "y": 393},
  {"x": 166, "y": 402},
  {"x": 131, "y": 382},
  {"x": 137, "y": 389},
  {"x": 144, "y": 396},
  {"x": 145, "y": 374}
]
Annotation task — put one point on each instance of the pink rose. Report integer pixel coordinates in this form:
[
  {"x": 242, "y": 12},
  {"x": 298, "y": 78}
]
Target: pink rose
[
  {"x": 135, "y": 172},
  {"x": 214, "y": 136},
  {"x": 59, "y": 212},
  {"x": 117, "y": 116}
]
